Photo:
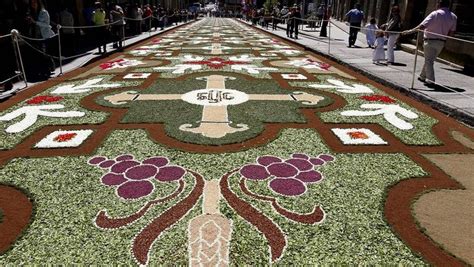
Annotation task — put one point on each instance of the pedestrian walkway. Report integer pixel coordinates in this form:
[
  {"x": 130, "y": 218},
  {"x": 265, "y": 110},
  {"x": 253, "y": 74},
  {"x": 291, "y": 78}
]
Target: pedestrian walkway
[
  {"x": 454, "y": 96},
  {"x": 87, "y": 58}
]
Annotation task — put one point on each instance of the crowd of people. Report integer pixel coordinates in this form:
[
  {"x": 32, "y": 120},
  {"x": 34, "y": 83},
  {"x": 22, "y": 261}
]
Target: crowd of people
[
  {"x": 110, "y": 24},
  {"x": 437, "y": 25},
  {"x": 97, "y": 26},
  {"x": 289, "y": 16}
]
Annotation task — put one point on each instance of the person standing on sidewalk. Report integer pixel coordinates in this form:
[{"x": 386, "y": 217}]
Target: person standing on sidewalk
[
  {"x": 40, "y": 17},
  {"x": 354, "y": 17},
  {"x": 437, "y": 25},
  {"x": 117, "y": 18},
  {"x": 65, "y": 18},
  {"x": 275, "y": 18},
  {"x": 296, "y": 21},
  {"x": 370, "y": 30},
  {"x": 288, "y": 21},
  {"x": 393, "y": 27},
  {"x": 379, "y": 51},
  {"x": 319, "y": 15},
  {"x": 101, "y": 31}
]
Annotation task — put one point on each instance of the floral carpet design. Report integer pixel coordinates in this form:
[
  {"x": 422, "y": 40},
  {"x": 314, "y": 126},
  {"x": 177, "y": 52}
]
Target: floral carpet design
[{"x": 216, "y": 144}]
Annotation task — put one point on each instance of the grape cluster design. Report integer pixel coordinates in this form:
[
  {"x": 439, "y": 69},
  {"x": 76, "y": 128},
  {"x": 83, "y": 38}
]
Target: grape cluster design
[
  {"x": 287, "y": 177},
  {"x": 134, "y": 179}
]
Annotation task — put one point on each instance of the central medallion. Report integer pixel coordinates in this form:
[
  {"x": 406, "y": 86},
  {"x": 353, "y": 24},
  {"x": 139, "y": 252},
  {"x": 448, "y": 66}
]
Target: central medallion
[{"x": 215, "y": 97}]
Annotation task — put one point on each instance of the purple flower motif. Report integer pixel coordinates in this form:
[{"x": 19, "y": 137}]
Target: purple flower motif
[
  {"x": 134, "y": 180},
  {"x": 287, "y": 177}
]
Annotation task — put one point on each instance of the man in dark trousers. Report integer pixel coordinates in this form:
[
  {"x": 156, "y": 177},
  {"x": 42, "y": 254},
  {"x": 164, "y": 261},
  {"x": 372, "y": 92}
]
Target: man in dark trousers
[
  {"x": 437, "y": 26},
  {"x": 296, "y": 21},
  {"x": 354, "y": 17},
  {"x": 289, "y": 23}
]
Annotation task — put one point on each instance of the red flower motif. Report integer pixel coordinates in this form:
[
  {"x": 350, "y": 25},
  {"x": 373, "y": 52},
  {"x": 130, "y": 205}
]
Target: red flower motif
[
  {"x": 156, "y": 41},
  {"x": 215, "y": 62},
  {"x": 110, "y": 64},
  {"x": 44, "y": 99},
  {"x": 64, "y": 137},
  {"x": 358, "y": 135},
  {"x": 378, "y": 98},
  {"x": 322, "y": 65}
]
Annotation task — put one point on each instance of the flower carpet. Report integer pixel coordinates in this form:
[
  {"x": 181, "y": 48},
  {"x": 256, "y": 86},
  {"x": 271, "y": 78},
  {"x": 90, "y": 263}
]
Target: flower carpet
[{"x": 217, "y": 144}]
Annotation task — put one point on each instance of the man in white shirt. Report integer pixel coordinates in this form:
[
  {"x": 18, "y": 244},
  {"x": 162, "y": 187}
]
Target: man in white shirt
[{"x": 437, "y": 25}]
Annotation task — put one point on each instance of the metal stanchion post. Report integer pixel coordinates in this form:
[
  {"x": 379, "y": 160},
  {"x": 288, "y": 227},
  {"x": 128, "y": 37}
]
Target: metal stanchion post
[
  {"x": 140, "y": 25},
  {"x": 123, "y": 34},
  {"x": 60, "y": 51},
  {"x": 18, "y": 52},
  {"x": 416, "y": 57},
  {"x": 329, "y": 38}
]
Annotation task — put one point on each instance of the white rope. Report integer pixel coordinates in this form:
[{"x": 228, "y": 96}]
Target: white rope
[
  {"x": 91, "y": 26},
  {"x": 449, "y": 37},
  {"x": 6, "y": 35},
  {"x": 11, "y": 78},
  {"x": 36, "y": 39},
  {"x": 361, "y": 28},
  {"x": 36, "y": 49},
  {"x": 409, "y": 32},
  {"x": 310, "y": 20},
  {"x": 138, "y": 19}
]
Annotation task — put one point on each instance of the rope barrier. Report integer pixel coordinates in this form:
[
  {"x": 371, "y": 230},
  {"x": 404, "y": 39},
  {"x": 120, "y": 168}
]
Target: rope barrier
[
  {"x": 5, "y": 36},
  {"x": 11, "y": 78},
  {"x": 90, "y": 26},
  {"x": 36, "y": 49},
  {"x": 36, "y": 39},
  {"x": 448, "y": 37},
  {"x": 410, "y": 32},
  {"x": 137, "y": 19}
]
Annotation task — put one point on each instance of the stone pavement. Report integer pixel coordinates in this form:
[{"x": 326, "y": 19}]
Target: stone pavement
[{"x": 454, "y": 96}]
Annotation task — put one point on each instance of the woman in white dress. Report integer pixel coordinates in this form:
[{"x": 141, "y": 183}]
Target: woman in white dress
[
  {"x": 370, "y": 29},
  {"x": 379, "y": 52}
]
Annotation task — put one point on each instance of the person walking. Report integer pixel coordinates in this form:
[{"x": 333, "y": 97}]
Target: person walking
[
  {"x": 393, "y": 27},
  {"x": 354, "y": 17},
  {"x": 437, "y": 25}
]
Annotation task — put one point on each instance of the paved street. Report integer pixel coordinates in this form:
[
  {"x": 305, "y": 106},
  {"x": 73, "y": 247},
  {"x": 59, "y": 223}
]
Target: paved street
[
  {"x": 217, "y": 144},
  {"x": 455, "y": 96}
]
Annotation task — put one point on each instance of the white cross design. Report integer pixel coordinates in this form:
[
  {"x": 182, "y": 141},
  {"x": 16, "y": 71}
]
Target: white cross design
[
  {"x": 31, "y": 114},
  {"x": 344, "y": 88},
  {"x": 83, "y": 88},
  {"x": 215, "y": 99},
  {"x": 389, "y": 112}
]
